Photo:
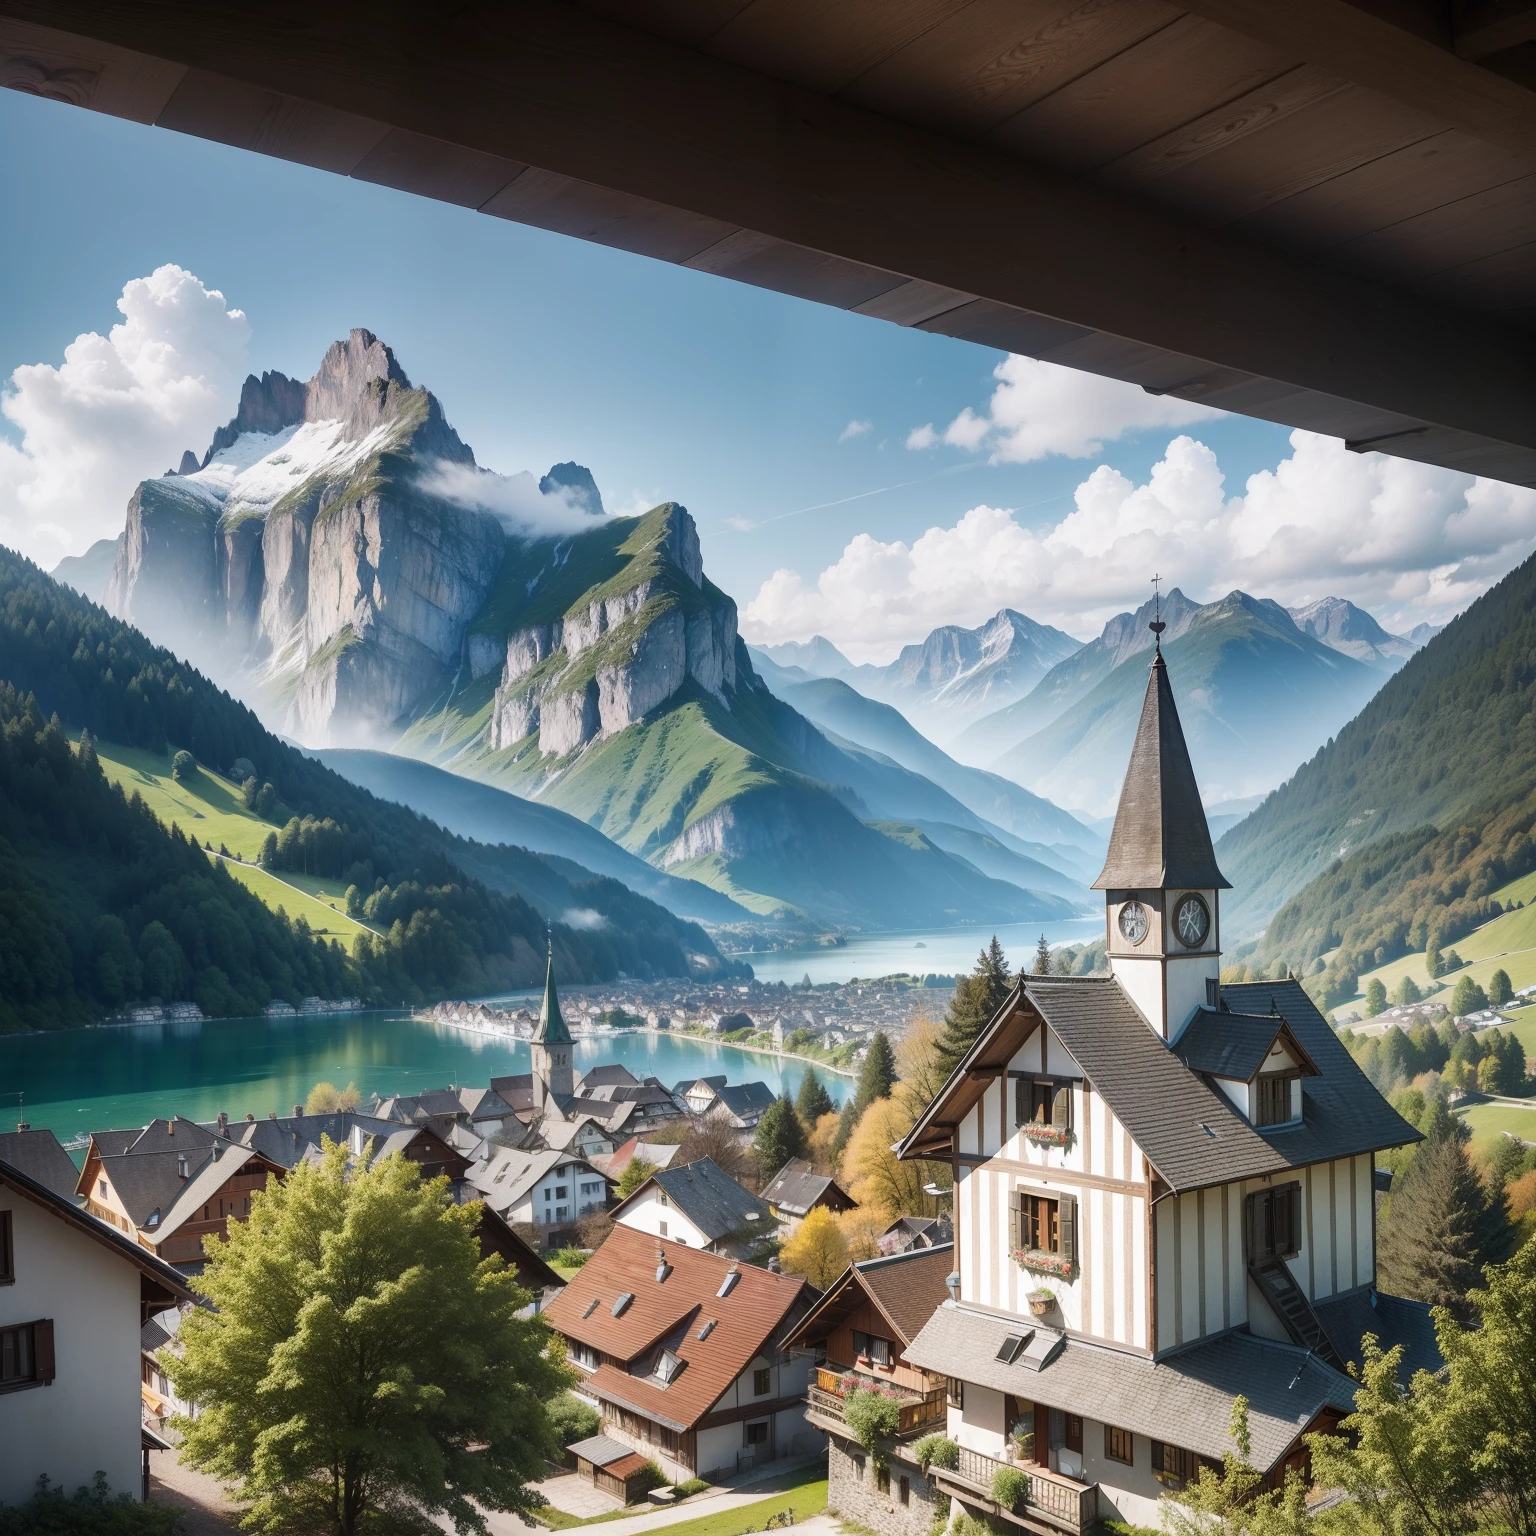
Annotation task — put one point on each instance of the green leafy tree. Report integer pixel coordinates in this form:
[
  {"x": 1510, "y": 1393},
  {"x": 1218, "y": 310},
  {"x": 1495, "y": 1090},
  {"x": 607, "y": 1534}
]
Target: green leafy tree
[
  {"x": 1441, "y": 1226},
  {"x": 636, "y": 1171},
  {"x": 873, "y": 1418},
  {"x": 813, "y": 1101},
  {"x": 359, "y": 1367},
  {"x": 779, "y": 1136},
  {"x": 1499, "y": 989},
  {"x": 183, "y": 766},
  {"x": 89, "y": 1511},
  {"x": 1468, "y": 997},
  {"x": 1042, "y": 957},
  {"x": 1434, "y": 962},
  {"x": 1406, "y": 992},
  {"x": 977, "y": 998},
  {"x": 1375, "y": 997}
]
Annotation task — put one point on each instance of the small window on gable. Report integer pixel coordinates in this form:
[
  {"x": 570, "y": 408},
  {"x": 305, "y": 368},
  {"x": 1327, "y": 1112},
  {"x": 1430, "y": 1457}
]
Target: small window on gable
[
  {"x": 1273, "y": 1098},
  {"x": 1043, "y": 1101}
]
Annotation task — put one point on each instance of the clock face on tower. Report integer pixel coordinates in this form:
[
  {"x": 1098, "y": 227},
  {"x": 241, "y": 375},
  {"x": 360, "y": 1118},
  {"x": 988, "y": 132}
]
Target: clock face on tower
[
  {"x": 1192, "y": 922},
  {"x": 1133, "y": 922}
]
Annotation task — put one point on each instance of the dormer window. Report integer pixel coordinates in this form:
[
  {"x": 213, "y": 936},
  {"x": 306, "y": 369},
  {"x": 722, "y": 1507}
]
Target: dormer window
[{"x": 1273, "y": 1095}]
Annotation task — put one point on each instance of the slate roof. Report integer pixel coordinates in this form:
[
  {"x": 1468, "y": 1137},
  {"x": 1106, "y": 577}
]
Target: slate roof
[
  {"x": 612, "y": 1074},
  {"x": 1188, "y": 1395},
  {"x": 1393, "y": 1319},
  {"x": 710, "y": 1198},
  {"x": 1231, "y": 1045},
  {"x": 516, "y": 1089},
  {"x": 204, "y": 1182},
  {"x": 508, "y": 1174},
  {"x": 601, "y": 1451},
  {"x": 1160, "y": 837},
  {"x": 796, "y": 1187},
  {"x": 149, "y": 1181},
  {"x": 288, "y": 1140},
  {"x": 761, "y": 1305},
  {"x": 39, "y": 1156},
  {"x": 906, "y": 1287},
  {"x": 746, "y": 1101}
]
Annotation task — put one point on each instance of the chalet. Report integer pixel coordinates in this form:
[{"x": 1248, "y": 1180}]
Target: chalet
[
  {"x": 908, "y": 1232},
  {"x": 797, "y": 1189},
  {"x": 171, "y": 1184},
  {"x": 858, "y": 1334},
  {"x": 74, "y": 1293},
  {"x": 1163, "y": 1197},
  {"x": 659, "y": 1154},
  {"x": 700, "y": 1206},
  {"x": 481, "y": 1110},
  {"x": 740, "y": 1105},
  {"x": 683, "y": 1353},
  {"x": 549, "y": 1191}
]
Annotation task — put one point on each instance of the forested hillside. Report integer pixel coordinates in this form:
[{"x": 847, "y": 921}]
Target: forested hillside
[
  {"x": 107, "y": 906},
  {"x": 1396, "y": 833}
]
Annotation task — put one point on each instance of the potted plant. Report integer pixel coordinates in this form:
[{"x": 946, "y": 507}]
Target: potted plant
[
  {"x": 1010, "y": 1488},
  {"x": 1041, "y": 1301}
]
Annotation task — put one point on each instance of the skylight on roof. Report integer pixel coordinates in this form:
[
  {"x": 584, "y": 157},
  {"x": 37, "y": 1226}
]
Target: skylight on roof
[
  {"x": 1009, "y": 1349},
  {"x": 621, "y": 1302},
  {"x": 729, "y": 1283},
  {"x": 706, "y": 1330},
  {"x": 592, "y": 1307},
  {"x": 667, "y": 1368}
]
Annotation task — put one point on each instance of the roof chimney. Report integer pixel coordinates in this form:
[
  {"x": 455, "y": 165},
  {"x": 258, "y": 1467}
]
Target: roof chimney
[
  {"x": 249, "y": 1117},
  {"x": 298, "y": 1109},
  {"x": 21, "y": 1125},
  {"x": 223, "y": 1121}
]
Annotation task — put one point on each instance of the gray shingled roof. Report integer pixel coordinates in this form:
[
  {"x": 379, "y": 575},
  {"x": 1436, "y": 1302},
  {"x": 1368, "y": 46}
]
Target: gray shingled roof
[
  {"x": 1190, "y": 1132},
  {"x": 1233, "y": 1045},
  {"x": 745, "y": 1100},
  {"x": 796, "y": 1187},
  {"x": 1186, "y": 1398},
  {"x": 39, "y": 1156},
  {"x": 1393, "y": 1319},
  {"x": 149, "y": 1181},
  {"x": 711, "y": 1199},
  {"x": 1160, "y": 837}
]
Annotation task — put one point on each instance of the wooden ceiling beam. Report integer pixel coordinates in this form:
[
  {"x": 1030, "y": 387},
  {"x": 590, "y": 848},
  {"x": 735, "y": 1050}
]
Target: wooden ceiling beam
[{"x": 646, "y": 144}]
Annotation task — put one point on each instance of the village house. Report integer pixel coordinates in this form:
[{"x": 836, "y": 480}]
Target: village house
[
  {"x": 797, "y": 1189},
  {"x": 908, "y": 1232},
  {"x": 659, "y": 1154},
  {"x": 700, "y": 1206},
  {"x": 548, "y": 1191},
  {"x": 858, "y": 1333},
  {"x": 739, "y": 1105},
  {"x": 74, "y": 1293},
  {"x": 683, "y": 1353},
  {"x": 1163, "y": 1198}
]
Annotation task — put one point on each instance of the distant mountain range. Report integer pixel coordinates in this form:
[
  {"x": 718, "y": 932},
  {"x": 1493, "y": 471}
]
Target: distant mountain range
[
  {"x": 952, "y": 677},
  {"x": 329, "y": 557}
]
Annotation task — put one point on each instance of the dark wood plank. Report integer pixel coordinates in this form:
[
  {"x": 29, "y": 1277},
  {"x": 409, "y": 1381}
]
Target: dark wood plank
[
  {"x": 679, "y": 21},
  {"x": 416, "y": 162},
  {"x": 913, "y": 302},
  {"x": 765, "y": 262},
  {"x": 1178, "y": 74},
  {"x": 83, "y": 72},
  {"x": 1471, "y": 229}
]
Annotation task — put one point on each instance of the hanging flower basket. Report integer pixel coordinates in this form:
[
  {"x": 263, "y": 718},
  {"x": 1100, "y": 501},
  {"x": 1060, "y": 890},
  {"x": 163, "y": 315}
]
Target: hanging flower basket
[
  {"x": 1041, "y": 1301},
  {"x": 1039, "y": 1263},
  {"x": 1046, "y": 1135}
]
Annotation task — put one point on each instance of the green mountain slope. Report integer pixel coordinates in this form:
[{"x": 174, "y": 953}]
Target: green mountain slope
[
  {"x": 1403, "y": 827},
  {"x": 1256, "y": 695},
  {"x": 440, "y": 929}
]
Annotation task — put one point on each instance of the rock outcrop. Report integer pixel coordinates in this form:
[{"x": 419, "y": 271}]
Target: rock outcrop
[
  {"x": 308, "y": 560},
  {"x": 624, "y": 649}
]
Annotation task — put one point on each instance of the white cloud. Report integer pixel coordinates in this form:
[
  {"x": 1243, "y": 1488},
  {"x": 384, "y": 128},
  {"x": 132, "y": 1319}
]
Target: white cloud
[
  {"x": 1040, "y": 409},
  {"x": 1407, "y": 541},
  {"x": 119, "y": 409},
  {"x": 515, "y": 499},
  {"x": 855, "y": 429},
  {"x": 583, "y": 917}
]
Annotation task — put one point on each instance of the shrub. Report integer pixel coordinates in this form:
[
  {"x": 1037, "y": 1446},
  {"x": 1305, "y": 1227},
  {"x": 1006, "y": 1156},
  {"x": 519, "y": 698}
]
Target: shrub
[
  {"x": 183, "y": 765},
  {"x": 92, "y": 1511},
  {"x": 242, "y": 769},
  {"x": 1010, "y": 1487},
  {"x": 648, "y": 1477},
  {"x": 937, "y": 1451},
  {"x": 569, "y": 1258},
  {"x": 573, "y": 1420},
  {"x": 693, "y": 1485},
  {"x": 873, "y": 1418}
]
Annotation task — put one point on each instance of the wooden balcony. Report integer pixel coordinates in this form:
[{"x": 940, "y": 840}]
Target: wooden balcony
[
  {"x": 917, "y": 1413},
  {"x": 1053, "y": 1502}
]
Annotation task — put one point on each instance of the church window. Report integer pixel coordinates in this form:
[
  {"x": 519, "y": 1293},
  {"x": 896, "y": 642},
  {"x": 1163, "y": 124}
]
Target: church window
[
  {"x": 1274, "y": 1098},
  {"x": 1133, "y": 922},
  {"x": 1274, "y": 1223}
]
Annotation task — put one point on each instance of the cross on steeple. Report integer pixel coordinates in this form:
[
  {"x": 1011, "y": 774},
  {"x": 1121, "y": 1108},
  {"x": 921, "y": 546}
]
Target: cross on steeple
[{"x": 1157, "y": 626}]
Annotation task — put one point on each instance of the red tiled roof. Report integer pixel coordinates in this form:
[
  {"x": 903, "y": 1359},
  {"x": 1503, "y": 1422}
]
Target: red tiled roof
[{"x": 759, "y": 1305}]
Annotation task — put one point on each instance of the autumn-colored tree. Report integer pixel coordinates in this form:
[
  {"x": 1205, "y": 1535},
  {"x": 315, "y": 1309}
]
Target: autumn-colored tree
[
  {"x": 328, "y": 1099},
  {"x": 822, "y": 1141},
  {"x": 862, "y": 1229},
  {"x": 817, "y": 1250},
  {"x": 876, "y": 1177},
  {"x": 714, "y": 1137},
  {"x": 921, "y": 1076}
]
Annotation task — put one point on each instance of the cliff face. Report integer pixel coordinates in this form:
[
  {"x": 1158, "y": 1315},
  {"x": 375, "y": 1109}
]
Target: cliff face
[
  {"x": 306, "y": 559},
  {"x": 622, "y": 649}
]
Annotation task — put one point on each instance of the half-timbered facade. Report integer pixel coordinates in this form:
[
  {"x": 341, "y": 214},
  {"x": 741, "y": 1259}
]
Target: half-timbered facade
[{"x": 1163, "y": 1197}]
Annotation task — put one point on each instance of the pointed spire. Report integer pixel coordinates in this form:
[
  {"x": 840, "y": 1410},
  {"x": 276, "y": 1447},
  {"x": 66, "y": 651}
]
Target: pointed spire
[
  {"x": 552, "y": 1029},
  {"x": 1160, "y": 838}
]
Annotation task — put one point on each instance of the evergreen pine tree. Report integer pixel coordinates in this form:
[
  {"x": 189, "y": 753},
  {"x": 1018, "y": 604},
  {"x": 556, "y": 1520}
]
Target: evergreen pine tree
[
  {"x": 1042, "y": 957},
  {"x": 977, "y": 997},
  {"x": 779, "y": 1137},
  {"x": 877, "y": 1076},
  {"x": 813, "y": 1101},
  {"x": 1441, "y": 1225}
]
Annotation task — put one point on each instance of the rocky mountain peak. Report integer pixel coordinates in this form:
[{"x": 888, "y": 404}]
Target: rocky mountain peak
[
  {"x": 267, "y": 404},
  {"x": 349, "y": 378},
  {"x": 576, "y": 481}
]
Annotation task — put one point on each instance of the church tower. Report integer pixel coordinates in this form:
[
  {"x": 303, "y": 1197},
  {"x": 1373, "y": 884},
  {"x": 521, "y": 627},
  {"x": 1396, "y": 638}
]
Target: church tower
[
  {"x": 1160, "y": 880},
  {"x": 553, "y": 1075}
]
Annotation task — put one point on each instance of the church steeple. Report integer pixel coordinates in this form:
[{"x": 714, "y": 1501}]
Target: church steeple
[
  {"x": 553, "y": 1075},
  {"x": 1160, "y": 877}
]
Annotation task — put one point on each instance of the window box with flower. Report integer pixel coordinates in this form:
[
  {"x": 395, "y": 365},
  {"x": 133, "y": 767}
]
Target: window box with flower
[
  {"x": 1045, "y": 1135},
  {"x": 1037, "y": 1262}
]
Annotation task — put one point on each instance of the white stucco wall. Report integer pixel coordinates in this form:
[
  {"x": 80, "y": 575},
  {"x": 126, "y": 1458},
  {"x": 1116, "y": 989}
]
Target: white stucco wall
[
  {"x": 652, "y": 1212},
  {"x": 87, "y": 1421}
]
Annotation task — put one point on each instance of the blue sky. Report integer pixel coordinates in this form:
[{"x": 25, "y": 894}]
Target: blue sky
[{"x": 668, "y": 384}]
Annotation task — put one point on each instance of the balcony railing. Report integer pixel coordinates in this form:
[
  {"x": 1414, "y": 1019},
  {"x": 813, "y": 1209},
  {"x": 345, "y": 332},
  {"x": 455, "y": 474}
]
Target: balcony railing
[
  {"x": 917, "y": 1414},
  {"x": 1055, "y": 1499}
]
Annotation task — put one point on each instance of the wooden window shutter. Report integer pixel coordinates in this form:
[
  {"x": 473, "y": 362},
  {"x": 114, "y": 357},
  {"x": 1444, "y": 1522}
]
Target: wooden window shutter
[
  {"x": 1061, "y": 1105},
  {"x": 1016, "y": 1220},
  {"x": 42, "y": 1350},
  {"x": 1020, "y": 1101},
  {"x": 1254, "y": 1209},
  {"x": 1067, "y": 1220},
  {"x": 1288, "y": 1218},
  {"x": 7, "y": 1251}
]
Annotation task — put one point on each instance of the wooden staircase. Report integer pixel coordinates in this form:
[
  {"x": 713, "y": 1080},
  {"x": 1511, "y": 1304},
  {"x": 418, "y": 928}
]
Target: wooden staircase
[{"x": 1274, "y": 1279}]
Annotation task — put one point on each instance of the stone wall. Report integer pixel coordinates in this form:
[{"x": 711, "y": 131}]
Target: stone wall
[{"x": 854, "y": 1491}]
